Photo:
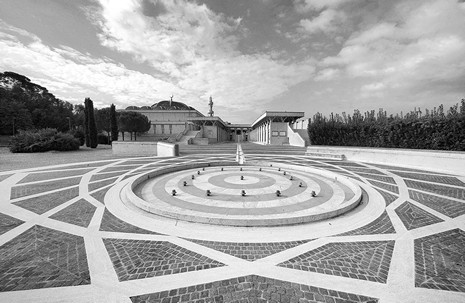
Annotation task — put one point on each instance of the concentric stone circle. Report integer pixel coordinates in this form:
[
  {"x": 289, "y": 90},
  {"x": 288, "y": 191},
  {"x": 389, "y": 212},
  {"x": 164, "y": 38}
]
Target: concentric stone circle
[{"x": 181, "y": 193}]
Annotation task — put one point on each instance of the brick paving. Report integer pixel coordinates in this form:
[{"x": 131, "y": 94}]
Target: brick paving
[
  {"x": 388, "y": 198},
  {"x": 139, "y": 259},
  {"x": 453, "y": 192},
  {"x": 378, "y": 178},
  {"x": 448, "y": 180},
  {"x": 439, "y": 261},
  {"x": 44, "y": 203},
  {"x": 100, "y": 194},
  {"x": 382, "y": 225},
  {"x": 414, "y": 217},
  {"x": 250, "y": 289},
  {"x": 357, "y": 260},
  {"x": 7, "y": 223},
  {"x": 42, "y": 187},
  {"x": 392, "y": 188},
  {"x": 79, "y": 213},
  {"x": 100, "y": 184},
  {"x": 114, "y": 224},
  {"x": 43, "y": 176},
  {"x": 442, "y": 205},
  {"x": 41, "y": 258},
  {"x": 249, "y": 251}
]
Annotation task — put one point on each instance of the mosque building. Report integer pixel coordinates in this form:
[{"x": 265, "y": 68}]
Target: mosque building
[{"x": 177, "y": 122}]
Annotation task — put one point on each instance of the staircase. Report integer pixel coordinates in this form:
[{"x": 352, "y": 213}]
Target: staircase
[
  {"x": 189, "y": 135},
  {"x": 247, "y": 147}
]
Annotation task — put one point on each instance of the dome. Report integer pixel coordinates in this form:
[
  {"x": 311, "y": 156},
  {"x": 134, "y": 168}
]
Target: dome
[{"x": 171, "y": 105}]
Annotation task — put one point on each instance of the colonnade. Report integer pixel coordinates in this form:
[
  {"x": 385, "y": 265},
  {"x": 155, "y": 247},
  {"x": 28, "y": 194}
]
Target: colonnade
[{"x": 264, "y": 132}]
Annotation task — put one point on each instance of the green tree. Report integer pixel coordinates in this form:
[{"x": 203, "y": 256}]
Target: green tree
[
  {"x": 93, "y": 142},
  {"x": 113, "y": 123},
  {"x": 133, "y": 123}
]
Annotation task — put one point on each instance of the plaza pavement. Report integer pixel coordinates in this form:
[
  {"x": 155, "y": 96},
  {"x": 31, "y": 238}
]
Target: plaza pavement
[{"x": 65, "y": 237}]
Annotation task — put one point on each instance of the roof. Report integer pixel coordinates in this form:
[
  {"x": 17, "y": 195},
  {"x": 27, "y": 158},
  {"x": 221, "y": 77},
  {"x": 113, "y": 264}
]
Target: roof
[
  {"x": 278, "y": 116},
  {"x": 163, "y": 105}
]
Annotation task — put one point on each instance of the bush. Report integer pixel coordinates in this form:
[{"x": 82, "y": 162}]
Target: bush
[
  {"x": 102, "y": 139},
  {"x": 80, "y": 135},
  {"x": 42, "y": 140}
]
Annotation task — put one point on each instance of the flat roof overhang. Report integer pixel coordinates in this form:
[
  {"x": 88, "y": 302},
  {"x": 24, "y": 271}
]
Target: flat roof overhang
[
  {"x": 278, "y": 117},
  {"x": 208, "y": 120}
]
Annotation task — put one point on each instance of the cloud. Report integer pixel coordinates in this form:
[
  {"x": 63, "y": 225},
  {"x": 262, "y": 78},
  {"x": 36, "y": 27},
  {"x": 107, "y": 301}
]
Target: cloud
[
  {"x": 68, "y": 73},
  {"x": 324, "y": 22},
  {"x": 309, "y": 5},
  {"x": 421, "y": 47},
  {"x": 327, "y": 74},
  {"x": 197, "y": 50}
]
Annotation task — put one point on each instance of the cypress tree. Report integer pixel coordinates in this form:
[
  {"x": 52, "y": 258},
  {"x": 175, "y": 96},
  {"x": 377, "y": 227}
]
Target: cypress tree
[
  {"x": 92, "y": 125},
  {"x": 86, "y": 122},
  {"x": 113, "y": 123}
]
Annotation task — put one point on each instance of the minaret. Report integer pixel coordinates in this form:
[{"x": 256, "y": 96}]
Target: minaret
[
  {"x": 171, "y": 100},
  {"x": 211, "y": 112}
]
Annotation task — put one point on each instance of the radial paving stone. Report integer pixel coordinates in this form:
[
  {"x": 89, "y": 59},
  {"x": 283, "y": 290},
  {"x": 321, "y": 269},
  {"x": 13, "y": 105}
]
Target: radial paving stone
[
  {"x": 96, "y": 177},
  {"x": 44, "y": 203},
  {"x": 442, "y": 205},
  {"x": 115, "y": 224},
  {"x": 139, "y": 259},
  {"x": 389, "y": 187},
  {"x": 249, "y": 251},
  {"x": 250, "y": 289},
  {"x": 42, "y": 258},
  {"x": 365, "y": 170},
  {"x": 382, "y": 225},
  {"x": 440, "y": 261},
  {"x": 385, "y": 179},
  {"x": 7, "y": 223},
  {"x": 42, "y": 187},
  {"x": 79, "y": 213},
  {"x": 99, "y": 195},
  {"x": 388, "y": 198},
  {"x": 100, "y": 184},
  {"x": 122, "y": 169},
  {"x": 358, "y": 260},
  {"x": 3, "y": 177},
  {"x": 394, "y": 169},
  {"x": 453, "y": 192},
  {"x": 449, "y": 180},
  {"x": 42, "y": 176},
  {"x": 414, "y": 217}
]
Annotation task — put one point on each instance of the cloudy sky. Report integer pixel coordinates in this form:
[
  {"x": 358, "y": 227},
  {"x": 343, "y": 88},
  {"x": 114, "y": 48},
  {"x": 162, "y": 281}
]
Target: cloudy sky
[{"x": 250, "y": 55}]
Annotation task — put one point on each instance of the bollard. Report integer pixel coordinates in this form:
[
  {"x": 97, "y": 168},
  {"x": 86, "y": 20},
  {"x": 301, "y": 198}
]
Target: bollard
[
  {"x": 242, "y": 177},
  {"x": 193, "y": 177},
  {"x": 300, "y": 184},
  {"x": 243, "y": 193},
  {"x": 313, "y": 193},
  {"x": 184, "y": 183},
  {"x": 209, "y": 192},
  {"x": 173, "y": 192},
  {"x": 278, "y": 193}
]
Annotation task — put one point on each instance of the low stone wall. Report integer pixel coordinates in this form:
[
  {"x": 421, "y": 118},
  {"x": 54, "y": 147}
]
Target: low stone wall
[
  {"x": 134, "y": 148},
  {"x": 441, "y": 161}
]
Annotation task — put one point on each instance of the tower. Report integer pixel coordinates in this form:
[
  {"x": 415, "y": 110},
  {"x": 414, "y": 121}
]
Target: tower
[{"x": 211, "y": 112}]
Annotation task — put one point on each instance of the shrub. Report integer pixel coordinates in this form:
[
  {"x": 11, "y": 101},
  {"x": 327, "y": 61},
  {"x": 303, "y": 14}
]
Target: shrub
[
  {"x": 42, "y": 140},
  {"x": 80, "y": 135},
  {"x": 102, "y": 139}
]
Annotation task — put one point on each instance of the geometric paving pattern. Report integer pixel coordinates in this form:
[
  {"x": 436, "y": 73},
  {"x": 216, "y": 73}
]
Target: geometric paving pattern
[
  {"x": 249, "y": 251},
  {"x": 358, "y": 260},
  {"x": 442, "y": 205},
  {"x": 388, "y": 198},
  {"x": 79, "y": 213},
  {"x": 382, "y": 225},
  {"x": 44, "y": 203},
  {"x": 27, "y": 190},
  {"x": 139, "y": 259},
  {"x": 388, "y": 187},
  {"x": 112, "y": 223},
  {"x": 7, "y": 223},
  {"x": 39, "y": 254},
  {"x": 440, "y": 261},
  {"x": 414, "y": 217},
  {"x": 453, "y": 192},
  {"x": 41, "y": 258},
  {"x": 250, "y": 289}
]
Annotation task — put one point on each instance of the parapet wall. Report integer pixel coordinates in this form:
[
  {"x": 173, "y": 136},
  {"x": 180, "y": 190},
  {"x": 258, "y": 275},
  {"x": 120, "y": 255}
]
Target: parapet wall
[
  {"x": 134, "y": 148},
  {"x": 441, "y": 161}
]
